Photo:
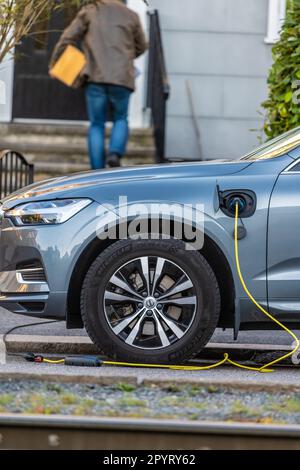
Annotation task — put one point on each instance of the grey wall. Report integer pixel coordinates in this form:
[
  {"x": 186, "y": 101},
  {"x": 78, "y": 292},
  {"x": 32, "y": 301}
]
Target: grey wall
[{"x": 218, "y": 45}]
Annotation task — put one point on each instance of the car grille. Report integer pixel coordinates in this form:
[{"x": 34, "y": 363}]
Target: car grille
[
  {"x": 33, "y": 307},
  {"x": 33, "y": 275}
]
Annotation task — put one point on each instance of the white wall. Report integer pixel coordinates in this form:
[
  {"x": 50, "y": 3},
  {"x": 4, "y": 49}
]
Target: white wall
[
  {"x": 219, "y": 46},
  {"x": 137, "y": 116},
  {"x": 276, "y": 16}
]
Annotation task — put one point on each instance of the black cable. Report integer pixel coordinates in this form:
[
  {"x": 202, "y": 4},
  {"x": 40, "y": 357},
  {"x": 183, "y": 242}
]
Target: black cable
[{"x": 11, "y": 330}]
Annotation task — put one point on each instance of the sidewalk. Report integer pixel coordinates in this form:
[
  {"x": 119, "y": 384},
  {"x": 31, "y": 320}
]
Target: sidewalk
[
  {"x": 62, "y": 341},
  {"x": 281, "y": 379}
]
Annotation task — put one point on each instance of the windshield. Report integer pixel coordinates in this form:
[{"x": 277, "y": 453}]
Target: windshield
[{"x": 276, "y": 147}]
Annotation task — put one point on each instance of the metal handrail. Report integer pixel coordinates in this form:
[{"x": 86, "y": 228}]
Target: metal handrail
[
  {"x": 15, "y": 172},
  {"x": 158, "y": 85}
]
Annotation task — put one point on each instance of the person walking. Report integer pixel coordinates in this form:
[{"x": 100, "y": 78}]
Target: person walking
[{"x": 112, "y": 37}]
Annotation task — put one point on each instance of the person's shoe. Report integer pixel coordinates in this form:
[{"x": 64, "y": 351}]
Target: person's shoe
[{"x": 113, "y": 161}]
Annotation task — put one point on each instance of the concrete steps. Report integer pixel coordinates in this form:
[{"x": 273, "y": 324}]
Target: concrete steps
[{"x": 61, "y": 149}]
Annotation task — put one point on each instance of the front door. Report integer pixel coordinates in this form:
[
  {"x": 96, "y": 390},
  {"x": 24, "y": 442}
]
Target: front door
[
  {"x": 36, "y": 95},
  {"x": 284, "y": 247}
]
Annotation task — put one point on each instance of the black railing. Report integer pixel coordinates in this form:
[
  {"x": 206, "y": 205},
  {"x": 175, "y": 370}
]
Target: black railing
[
  {"x": 158, "y": 86},
  {"x": 15, "y": 172}
]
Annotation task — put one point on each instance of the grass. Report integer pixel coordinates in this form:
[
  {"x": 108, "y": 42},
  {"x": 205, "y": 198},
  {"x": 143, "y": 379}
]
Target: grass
[
  {"x": 173, "y": 388},
  {"x": 172, "y": 401},
  {"x": 239, "y": 409},
  {"x": 291, "y": 405},
  {"x": 69, "y": 399},
  {"x": 128, "y": 388},
  {"x": 128, "y": 401},
  {"x": 6, "y": 399},
  {"x": 54, "y": 387}
]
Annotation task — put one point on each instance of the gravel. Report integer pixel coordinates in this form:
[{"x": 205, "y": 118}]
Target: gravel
[{"x": 181, "y": 402}]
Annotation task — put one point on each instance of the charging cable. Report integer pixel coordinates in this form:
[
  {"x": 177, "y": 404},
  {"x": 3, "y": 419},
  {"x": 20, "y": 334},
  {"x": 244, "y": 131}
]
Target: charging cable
[{"x": 281, "y": 325}]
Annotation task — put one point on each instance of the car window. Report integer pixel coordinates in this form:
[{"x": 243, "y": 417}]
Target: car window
[
  {"x": 295, "y": 168},
  {"x": 276, "y": 147}
]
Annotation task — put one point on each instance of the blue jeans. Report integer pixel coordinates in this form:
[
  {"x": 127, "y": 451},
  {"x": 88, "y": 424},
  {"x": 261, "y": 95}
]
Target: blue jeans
[{"x": 101, "y": 98}]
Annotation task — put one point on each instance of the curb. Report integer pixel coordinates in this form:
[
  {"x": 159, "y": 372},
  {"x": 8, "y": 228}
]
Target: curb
[
  {"x": 108, "y": 376},
  {"x": 50, "y": 344},
  {"x": 109, "y": 380},
  {"x": 83, "y": 345}
]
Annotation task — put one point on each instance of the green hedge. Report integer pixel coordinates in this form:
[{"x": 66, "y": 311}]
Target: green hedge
[{"x": 282, "y": 112}]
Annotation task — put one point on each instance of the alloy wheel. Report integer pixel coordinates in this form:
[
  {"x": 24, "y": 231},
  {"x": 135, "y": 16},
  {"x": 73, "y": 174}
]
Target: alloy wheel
[{"x": 150, "y": 303}]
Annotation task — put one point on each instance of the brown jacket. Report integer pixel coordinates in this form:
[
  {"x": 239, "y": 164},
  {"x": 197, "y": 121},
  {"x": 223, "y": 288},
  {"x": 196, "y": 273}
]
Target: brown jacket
[{"x": 112, "y": 37}]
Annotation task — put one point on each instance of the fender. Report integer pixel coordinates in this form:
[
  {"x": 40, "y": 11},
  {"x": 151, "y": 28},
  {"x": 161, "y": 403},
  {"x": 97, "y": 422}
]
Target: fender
[{"x": 110, "y": 221}]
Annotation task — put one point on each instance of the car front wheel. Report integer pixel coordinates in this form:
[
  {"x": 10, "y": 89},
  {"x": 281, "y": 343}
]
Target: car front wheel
[{"x": 150, "y": 302}]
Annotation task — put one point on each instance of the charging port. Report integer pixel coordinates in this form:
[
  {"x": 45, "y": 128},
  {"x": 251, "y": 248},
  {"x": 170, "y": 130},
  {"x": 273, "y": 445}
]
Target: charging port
[{"x": 245, "y": 199}]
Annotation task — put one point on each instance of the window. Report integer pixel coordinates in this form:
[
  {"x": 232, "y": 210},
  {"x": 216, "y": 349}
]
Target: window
[
  {"x": 294, "y": 168},
  {"x": 276, "y": 16}
]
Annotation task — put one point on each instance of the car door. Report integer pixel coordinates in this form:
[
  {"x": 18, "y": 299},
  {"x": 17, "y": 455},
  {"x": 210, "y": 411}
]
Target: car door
[{"x": 283, "y": 257}]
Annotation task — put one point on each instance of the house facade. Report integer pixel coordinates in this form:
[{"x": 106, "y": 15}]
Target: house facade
[
  {"x": 218, "y": 53},
  {"x": 221, "y": 51}
]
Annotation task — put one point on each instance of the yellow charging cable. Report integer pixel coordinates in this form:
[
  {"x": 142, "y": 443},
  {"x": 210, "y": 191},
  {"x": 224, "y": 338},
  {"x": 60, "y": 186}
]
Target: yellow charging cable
[
  {"x": 237, "y": 260},
  {"x": 226, "y": 359},
  {"x": 161, "y": 366},
  {"x": 53, "y": 361}
]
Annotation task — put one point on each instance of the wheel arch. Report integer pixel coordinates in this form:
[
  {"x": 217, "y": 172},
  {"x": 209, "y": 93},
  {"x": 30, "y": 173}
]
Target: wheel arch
[{"x": 211, "y": 252}]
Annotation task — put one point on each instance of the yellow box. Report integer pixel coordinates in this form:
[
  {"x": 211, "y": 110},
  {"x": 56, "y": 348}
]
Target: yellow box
[{"x": 69, "y": 66}]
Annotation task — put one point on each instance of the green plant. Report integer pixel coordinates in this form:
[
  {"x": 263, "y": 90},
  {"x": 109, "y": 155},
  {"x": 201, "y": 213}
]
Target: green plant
[
  {"x": 129, "y": 401},
  {"x": 6, "y": 399},
  {"x": 240, "y": 409},
  {"x": 126, "y": 387},
  {"x": 291, "y": 405},
  {"x": 173, "y": 388},
  {"x": 282, "y": 111},
  {"x": 69, "y": 399}
]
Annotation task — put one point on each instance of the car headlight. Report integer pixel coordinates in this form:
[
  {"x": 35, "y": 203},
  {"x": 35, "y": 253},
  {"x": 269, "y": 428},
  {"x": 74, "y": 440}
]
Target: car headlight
[{"x": 46, "y": 212}]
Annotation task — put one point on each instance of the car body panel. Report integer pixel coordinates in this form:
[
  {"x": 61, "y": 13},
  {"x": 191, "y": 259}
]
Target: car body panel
[
  {"x": 284, "y": 247},
  {"x": 89, "y": 184}
]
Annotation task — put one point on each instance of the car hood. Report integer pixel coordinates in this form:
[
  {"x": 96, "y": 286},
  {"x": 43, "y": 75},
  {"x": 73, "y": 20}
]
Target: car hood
[{"x": 73, "y": 185}]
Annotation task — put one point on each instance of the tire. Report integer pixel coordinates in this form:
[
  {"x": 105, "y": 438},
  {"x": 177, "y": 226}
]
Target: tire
[{"x": 169, "y": 333}]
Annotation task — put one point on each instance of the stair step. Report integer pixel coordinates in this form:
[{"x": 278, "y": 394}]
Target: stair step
[
  {"x": 61, "y": 129},
  {"x": 69, "y": 150},
  {"x": 60, "y": 149},
  {"x": 11, "y": 140},
  {"x": 60, "y": 168},
  {"x": 63, "y": 133},
  {"x": 76, "y": 153}
]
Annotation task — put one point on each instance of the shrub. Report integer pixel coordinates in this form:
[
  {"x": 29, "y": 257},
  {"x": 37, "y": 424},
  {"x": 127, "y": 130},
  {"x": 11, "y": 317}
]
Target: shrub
[{"x": 282, "y": 110}]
